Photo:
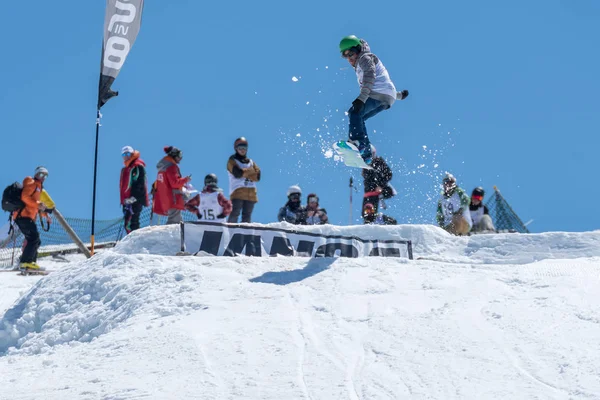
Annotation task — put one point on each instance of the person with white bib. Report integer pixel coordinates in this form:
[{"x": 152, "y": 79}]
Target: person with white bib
[
  {"x": 243, "y": 175},
  {"x": 213, "y": 205},
  {"x": 453, "y": 213},
  {"x": 482, "y": 222}
]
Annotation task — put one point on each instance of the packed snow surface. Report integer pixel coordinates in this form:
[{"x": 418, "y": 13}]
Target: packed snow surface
[{"x": 504, "y": 316}]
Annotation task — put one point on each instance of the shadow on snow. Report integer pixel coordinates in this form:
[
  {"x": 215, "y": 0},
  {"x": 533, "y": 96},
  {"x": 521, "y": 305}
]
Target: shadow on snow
[{"x": 313, "y": 267}]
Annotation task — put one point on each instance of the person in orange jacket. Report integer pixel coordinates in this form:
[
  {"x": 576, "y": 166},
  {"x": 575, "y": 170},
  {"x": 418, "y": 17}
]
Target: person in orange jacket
[
  {"x": 25, "y": 218},
  {"x": 168, "y": 188}
]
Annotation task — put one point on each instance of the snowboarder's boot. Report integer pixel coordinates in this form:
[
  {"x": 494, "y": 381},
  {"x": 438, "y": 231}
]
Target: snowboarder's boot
[{"x": 30, "y": 267}]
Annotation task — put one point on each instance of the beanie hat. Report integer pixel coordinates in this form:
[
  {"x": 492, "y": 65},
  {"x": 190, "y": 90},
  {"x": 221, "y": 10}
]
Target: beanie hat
[{"x": 173, "y": 151}]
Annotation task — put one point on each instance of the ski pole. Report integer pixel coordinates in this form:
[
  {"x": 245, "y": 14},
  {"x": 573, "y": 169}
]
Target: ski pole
[
  {"x": 351, "y": 187},
  {"x": 12, "y": 261}
]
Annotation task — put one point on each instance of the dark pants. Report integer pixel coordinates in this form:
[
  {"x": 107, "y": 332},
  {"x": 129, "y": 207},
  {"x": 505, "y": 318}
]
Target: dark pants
[
  {"x": 358, "y": 130},
  {"x": 131, "y": 216},
  {"x": 245, "y": 206},
  {"x": 29, "y": 229}
]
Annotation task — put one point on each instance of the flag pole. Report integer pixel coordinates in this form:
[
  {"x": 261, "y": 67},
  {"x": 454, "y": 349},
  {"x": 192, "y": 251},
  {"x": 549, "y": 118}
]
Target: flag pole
[
  {"x": 351, "y": 187},
  {"x": 122, "y": 23},
  {"x": 98, "y": 115}
]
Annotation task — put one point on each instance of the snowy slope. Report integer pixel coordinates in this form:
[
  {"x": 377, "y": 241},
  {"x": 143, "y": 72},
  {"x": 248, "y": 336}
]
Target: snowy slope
[{"x": 488, "y": 317}]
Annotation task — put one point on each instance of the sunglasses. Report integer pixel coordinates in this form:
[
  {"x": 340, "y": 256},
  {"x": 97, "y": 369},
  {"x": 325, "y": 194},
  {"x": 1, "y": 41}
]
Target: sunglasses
[
  {"x": 42, "y": 175},
  {"x": 294, "y": 196},
  {"x": 348, "y": 53},
  {"x": 313, "y": 200},
  {"x": 126, "y": 154},
  {"x": 242, "y": 147}
]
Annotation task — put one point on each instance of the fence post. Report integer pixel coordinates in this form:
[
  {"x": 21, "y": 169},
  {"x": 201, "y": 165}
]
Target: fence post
[{"x": 61, "y": 220}]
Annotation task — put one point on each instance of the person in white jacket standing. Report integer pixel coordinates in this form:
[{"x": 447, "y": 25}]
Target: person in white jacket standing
[
  {"x": 377, "y": 91},
  {"x": 453, "y": 208}
]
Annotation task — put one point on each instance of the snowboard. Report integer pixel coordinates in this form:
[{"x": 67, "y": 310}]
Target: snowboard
[
  {"x": 33, "y": 272},
  {"x": 350, "y": 155}
]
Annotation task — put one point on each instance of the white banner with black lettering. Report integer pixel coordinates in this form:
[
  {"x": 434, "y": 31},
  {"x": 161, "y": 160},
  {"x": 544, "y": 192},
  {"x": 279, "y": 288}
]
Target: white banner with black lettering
[{"x": 206, "y": 238}]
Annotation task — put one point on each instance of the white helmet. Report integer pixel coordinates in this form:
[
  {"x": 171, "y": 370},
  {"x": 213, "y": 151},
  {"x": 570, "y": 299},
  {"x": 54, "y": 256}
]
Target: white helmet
[
  {"x": 126, "y": 149},
  {"x": 40, "y": 170},
  {"x": 449, "y": 179},
  {"x": 294, "y": 189},
  {"x": 448, "y": 183}
]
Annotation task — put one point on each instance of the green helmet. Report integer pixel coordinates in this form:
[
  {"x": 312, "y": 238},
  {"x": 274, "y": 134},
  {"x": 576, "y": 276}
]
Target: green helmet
[{"x": 348, "y": 42}]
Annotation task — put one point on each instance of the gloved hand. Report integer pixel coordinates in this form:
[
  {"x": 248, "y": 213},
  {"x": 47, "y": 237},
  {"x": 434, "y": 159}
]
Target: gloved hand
[
  {"x": 221, "y": 216},
  {"x": 357, "y": 105},
  {"x": 41, "y": 206},
  {"x": 188, "y": 178},
  {"x": 402, "y": 95},
  {"x": 130, "y": 200}
]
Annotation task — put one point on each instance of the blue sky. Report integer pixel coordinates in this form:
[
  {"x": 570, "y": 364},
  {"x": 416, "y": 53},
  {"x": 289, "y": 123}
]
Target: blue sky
[{"x": 502, "y": 94}]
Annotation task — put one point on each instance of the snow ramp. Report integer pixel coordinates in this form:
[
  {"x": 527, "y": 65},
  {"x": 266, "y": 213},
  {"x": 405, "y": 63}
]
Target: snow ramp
[
  {"x": 495, "y": 316},
  {"x": 428, "y": 241}
]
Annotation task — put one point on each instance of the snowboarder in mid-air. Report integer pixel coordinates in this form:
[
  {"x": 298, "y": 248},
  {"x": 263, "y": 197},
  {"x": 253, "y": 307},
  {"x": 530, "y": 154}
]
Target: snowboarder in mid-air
[{"x": 377, "y": 91}]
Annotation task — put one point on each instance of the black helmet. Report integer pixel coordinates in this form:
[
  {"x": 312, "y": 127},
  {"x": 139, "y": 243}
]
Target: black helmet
[
  {"x": 210, "y": 179},
  {"x": 478, "y": 191},
  {"x": 240, "y": 141}
]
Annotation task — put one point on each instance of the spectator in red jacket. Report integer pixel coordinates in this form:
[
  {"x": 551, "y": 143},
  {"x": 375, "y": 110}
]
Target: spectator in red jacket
[
  {"x": 168, "y": 195},
  {"x": 134, "y": 190}
]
